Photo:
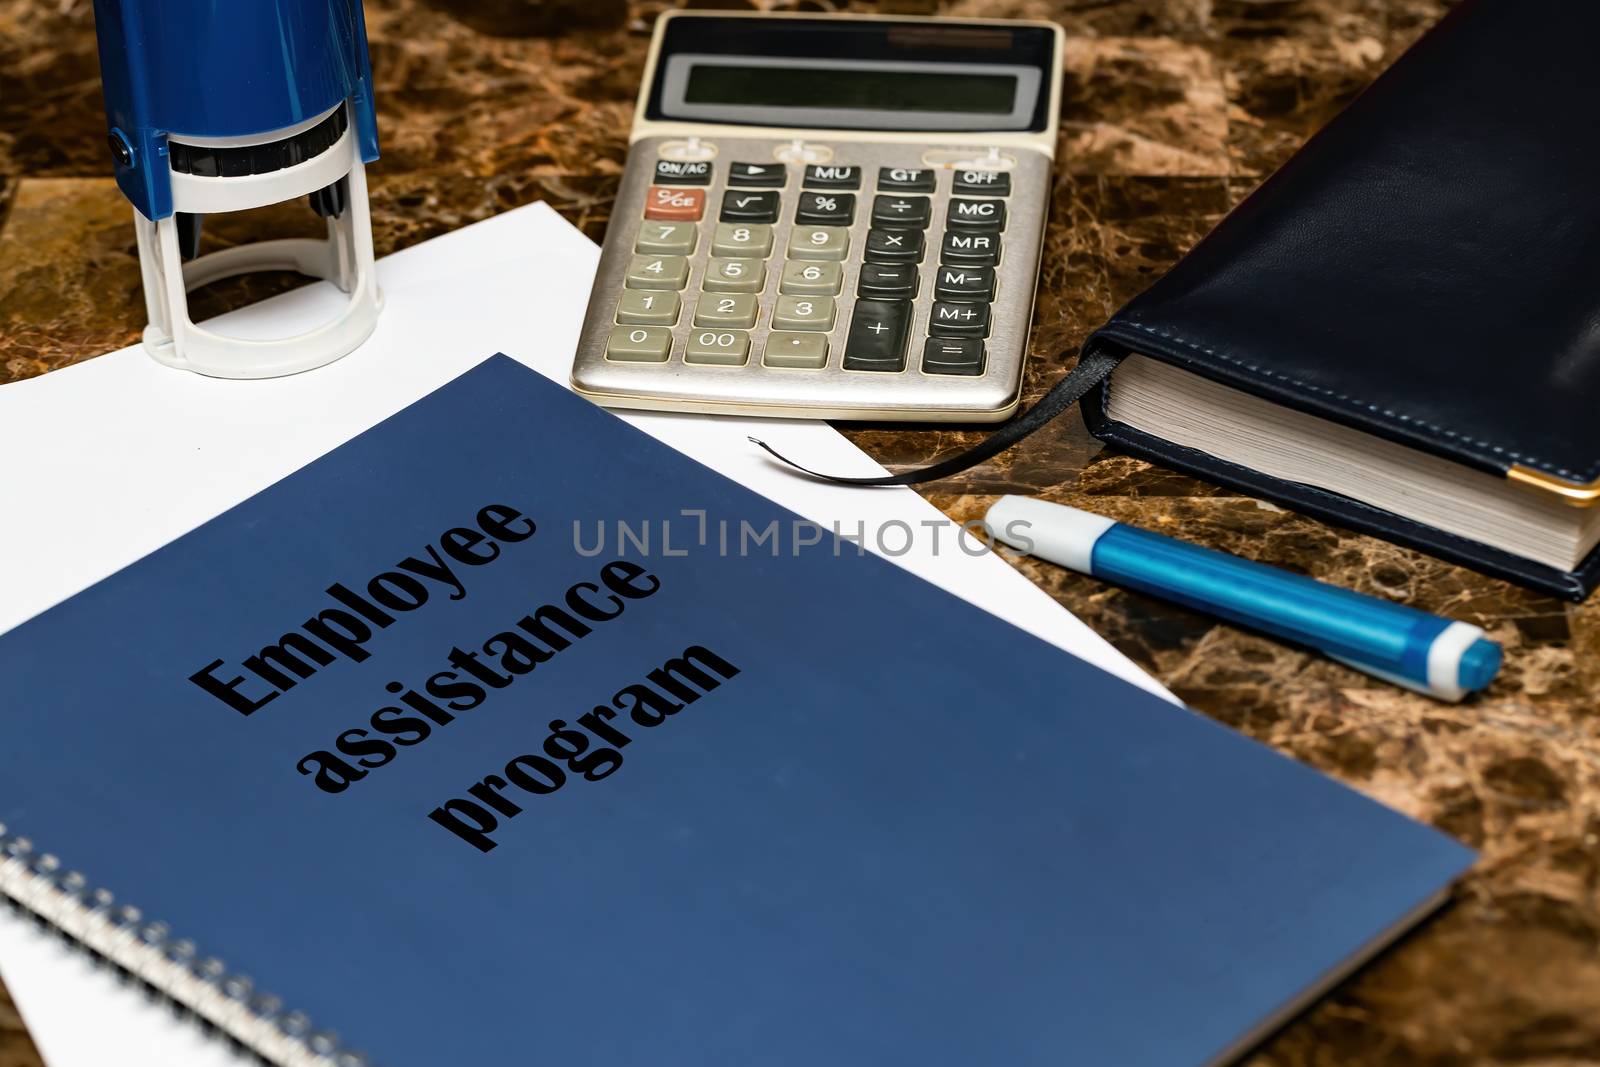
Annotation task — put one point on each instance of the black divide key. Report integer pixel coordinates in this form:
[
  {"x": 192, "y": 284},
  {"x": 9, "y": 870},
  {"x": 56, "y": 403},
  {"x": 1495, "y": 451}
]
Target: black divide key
[
  {"x": 964, "y": 285},
  {"x": 952, "y": 355},
  {"x": 739, "y": 205},
  {"x": 962, "y": 249},
  {"x": 758, "y": 175},
  {"x": 981, "y": 183},
  {"x": 877, "y": 339},
  {"x": 894, "y": 246},
  {"x": 826, "y": 209},
  {"x": 905, "y": 180},
  {"x": 976, "y": 215},
  {"x": 832, "y": 176},
  {"x": 901, "y": 212},
  {"x": 678, "y": 172},
  {"x": 959, "y": 320},
  {"x": 887, "y": 281}
]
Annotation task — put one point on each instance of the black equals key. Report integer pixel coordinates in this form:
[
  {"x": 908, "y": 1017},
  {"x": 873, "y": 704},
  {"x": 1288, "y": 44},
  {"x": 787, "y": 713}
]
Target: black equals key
[
  {"x": 877, "y": 339},
  {"x": 953, "y": 355}
]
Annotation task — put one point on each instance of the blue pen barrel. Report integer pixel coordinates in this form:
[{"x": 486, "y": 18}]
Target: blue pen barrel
[{"x": 1377, "y": 634}]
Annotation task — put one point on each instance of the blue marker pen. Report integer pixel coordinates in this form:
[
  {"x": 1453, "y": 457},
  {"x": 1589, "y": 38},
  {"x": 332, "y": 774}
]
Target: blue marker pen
[{"x": 1432, "y": 655}]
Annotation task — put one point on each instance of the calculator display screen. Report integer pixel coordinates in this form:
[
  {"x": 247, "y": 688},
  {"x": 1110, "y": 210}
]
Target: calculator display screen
[
  {"x": 844, "y": 73},
  {"x": 966, "y": 92}
]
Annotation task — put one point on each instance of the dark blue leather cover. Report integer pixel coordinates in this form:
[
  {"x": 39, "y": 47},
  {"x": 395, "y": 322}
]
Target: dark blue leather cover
[
  {"x": 903, "y": 833},
  {"x": 1425, "y": 269}
]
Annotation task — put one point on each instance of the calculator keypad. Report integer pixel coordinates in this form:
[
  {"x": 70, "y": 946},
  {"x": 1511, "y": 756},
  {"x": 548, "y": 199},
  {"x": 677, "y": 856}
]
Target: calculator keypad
[{"x": 872, "y": 273}]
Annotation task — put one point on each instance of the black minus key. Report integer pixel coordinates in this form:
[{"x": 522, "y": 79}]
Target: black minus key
[
  {"x": 676, "y": 172},
  {"x": 877, "y": 339},
  {"x": 758, "y": 175},
  {"x": 963, "y": 285},
  {"x": 953, "y": 355},
  {"x": 887, "y": 281}
]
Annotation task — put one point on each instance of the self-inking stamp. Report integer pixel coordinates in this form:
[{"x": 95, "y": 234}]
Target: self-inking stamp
[{"x": 217, "y": 107}]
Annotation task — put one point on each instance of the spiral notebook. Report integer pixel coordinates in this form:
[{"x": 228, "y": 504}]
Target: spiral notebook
[{"x": 503, "y": 732}]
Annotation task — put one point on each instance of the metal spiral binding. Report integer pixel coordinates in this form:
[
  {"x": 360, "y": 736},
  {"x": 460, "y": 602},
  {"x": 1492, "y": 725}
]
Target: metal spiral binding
[{"x": 173, "y": 967}]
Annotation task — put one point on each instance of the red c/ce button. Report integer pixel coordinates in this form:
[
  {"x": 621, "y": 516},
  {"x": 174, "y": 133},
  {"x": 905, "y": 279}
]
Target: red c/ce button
[{"x": 674, "y": 202}]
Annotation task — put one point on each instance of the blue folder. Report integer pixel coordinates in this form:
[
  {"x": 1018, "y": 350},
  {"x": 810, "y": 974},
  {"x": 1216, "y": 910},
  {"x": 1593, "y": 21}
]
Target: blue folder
[{"x": 852, "y": 820}]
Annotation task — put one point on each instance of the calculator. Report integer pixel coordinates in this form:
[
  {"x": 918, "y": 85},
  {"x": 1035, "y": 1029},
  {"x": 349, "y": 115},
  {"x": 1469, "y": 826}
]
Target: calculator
[{"x": 834, "y": 216}]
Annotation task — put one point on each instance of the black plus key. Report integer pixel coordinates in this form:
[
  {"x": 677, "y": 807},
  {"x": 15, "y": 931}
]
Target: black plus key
[
  {"x": 877, "y": 339},
  {"x": 970, "y": 249},
  {"x": 758, "y": 175},
  {"x": 952, "y": 355},
  {"x": 901, "y": 212},
  {"x": 832, "y": 176},
  {"x": 674, "y": 172},
  {"x": 959, "y": 320},
  {"x": 964, "y": 285},
  {"x": 981, "y": 183},
  {"x": 826, "y": 209},
  {"x": 741, "y": 206},
  {"x": 888, "y": 281},
  {"x": 976, "y": 215},
  {"x": 905, "y": 180},
  {"x": 894, "y": 246}
]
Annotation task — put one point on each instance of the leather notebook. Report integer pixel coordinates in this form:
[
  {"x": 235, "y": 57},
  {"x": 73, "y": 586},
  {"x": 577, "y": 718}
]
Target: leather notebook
[{"x": 1399, "y": 332}]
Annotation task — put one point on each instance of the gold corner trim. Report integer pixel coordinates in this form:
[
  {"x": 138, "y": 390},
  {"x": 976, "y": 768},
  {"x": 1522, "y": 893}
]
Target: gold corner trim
[{"x": 1573, "y": 494}]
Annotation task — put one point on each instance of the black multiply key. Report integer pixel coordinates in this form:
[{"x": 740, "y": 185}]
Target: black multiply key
[
  {"x": 959, "y": 320},
  {"x": 826, "y": 209},
  {"x": 976, "y": 215},
  {"x": 749, "y": 205},
  {"x": 901, "y": 212},
  {"x": 877, "y": 339},
  {"x": 887, "y": 281},
  {"x": 964, "y": 285},
  {"x": 962, "y": 249},
  {"x": 952, "y": 355},
  {"x": 894, "y": 246}
]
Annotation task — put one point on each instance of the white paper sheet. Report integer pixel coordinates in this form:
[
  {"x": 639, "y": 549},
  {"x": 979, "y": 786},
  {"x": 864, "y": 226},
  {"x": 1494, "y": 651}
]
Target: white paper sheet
[{"x": 108, "y": 460}]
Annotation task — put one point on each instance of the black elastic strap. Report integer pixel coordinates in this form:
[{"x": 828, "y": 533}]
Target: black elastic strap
[{"x": 1093, "y": 368}]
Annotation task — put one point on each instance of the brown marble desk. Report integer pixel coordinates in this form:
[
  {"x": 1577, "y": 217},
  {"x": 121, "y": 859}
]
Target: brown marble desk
[{"x": 1174, "y": 110}]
